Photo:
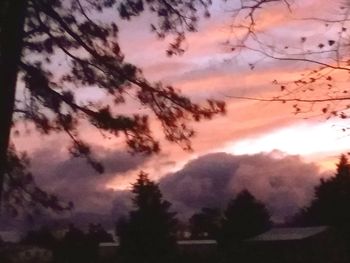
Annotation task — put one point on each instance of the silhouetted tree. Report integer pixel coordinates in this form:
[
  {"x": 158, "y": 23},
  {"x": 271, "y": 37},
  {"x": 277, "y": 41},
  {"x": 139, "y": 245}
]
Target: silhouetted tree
[
  {"x": 45, "y": 238},
  {"x": 34, "y": 34},
  {"x": 21, "y": 191},
  {"x": 330, "y": 205},
  {"x": 42, "y": 237},
  {"x": 149, "y": 234},
  {"x": 74, "y": 247},
  {"x": 244, "y": 217},
  {"x": 94, "y": 237},
  {"x": 205, "y": 224},
  {"x": 99, "y": 234},
  {"x": 332, "y": 199}
]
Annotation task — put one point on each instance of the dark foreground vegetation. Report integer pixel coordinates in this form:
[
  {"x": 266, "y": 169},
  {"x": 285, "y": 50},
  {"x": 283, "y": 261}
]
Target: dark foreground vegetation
[{"x": 152, "y": 233}]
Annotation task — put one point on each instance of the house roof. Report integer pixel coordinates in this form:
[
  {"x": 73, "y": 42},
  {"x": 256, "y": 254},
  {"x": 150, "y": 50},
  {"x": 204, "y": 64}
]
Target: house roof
[
  {"x": 109, "y": 244},
  {"x": 289, "y": 233},
  {"x": 197, "y": 242},
  {"x": 10, "y": 236},
  {"x": 180, "y": 242}
]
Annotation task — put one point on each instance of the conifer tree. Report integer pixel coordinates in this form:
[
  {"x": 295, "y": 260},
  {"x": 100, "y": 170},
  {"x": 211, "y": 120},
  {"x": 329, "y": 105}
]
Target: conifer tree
[
  {"x": 244, "y": 217},
  {"x": 332, "y": 199},
  {"x": 149, "y": 234}
]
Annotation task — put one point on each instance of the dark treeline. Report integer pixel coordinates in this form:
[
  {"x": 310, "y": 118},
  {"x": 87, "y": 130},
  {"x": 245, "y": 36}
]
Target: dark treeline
[
  {"x": 151, "y": 230},
  {"x": 71, "y": 246}
]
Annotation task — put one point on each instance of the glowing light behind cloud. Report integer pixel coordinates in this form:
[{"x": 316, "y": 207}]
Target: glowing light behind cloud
[{"x": 305, "y": 139}]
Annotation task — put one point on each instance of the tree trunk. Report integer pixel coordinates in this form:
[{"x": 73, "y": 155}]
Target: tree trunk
[{"x": 12, "y": 16}]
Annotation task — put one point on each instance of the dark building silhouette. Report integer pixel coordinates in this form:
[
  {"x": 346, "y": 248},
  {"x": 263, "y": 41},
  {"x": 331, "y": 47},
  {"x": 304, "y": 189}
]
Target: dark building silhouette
[
  {"x": 295, "y": 245},
  {"x": 188, "y": 251}
]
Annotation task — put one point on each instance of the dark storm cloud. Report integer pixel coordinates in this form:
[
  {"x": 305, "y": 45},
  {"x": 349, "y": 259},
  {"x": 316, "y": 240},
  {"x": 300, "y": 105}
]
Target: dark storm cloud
[
  {"x": 201, "y": 182},
  {"x": 122, "y": 204},
  {"x": 74, "y": 179},
  {"x": 284, "y": 183}
]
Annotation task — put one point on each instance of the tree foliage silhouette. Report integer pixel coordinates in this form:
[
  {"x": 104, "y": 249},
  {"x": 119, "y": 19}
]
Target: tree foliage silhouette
[
  {"x": 244, "y": 217},
  {"x": 42, "y": 237},
  {"x": 324, "y": 54},
  {"x": 96, "y": 235},
  {"x": 34, "y": 34},
  {"x": 205, "y": 224},
  {"x": 20, "y": 190},
  {"x": 74, "y": 248},
  {"x": 149, "y": 234},
  {"x": 332, "y": 198}
]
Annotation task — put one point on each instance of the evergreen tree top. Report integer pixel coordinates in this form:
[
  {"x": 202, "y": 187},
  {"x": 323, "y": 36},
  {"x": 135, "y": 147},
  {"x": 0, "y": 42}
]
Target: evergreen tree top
[
  {"x": 147, "y": 193},
  {"x": 343, "y": 167}
]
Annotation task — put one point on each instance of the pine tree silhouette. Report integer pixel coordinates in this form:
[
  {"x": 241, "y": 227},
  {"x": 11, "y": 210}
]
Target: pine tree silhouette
[
  {"x": 244, "y": 217},
  {"x": 149, "y": 235},
  {"x": 332, "y": 199}
]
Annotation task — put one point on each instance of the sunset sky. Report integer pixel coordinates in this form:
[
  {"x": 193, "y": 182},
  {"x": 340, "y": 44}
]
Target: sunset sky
[
  {"x": 210, "y": 69},
  {"x": 254, "y": 135}
]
